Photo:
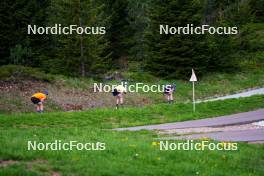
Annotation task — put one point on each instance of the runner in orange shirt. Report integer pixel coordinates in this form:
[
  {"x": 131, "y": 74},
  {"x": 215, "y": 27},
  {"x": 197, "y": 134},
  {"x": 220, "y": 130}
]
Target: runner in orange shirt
[{"x": 38, "y": 99}]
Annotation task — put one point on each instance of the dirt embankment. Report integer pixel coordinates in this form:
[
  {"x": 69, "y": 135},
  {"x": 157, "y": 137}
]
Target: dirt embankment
[{"x": 15, "y": 97}]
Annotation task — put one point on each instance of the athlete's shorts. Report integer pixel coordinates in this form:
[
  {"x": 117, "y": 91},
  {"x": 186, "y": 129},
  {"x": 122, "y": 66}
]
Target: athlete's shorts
[
  {"x": 35, "y": 100},
  {"x": 115, "y": 93}
]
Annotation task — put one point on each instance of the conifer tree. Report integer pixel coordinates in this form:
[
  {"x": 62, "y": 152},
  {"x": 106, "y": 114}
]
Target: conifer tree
[
  {"x": 80, "y": 54},
  {"x": 174, "y": 55}
]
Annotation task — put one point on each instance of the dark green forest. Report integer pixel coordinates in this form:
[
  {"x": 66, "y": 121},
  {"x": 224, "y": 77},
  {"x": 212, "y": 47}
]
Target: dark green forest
[{"x": 132, "y": 36}]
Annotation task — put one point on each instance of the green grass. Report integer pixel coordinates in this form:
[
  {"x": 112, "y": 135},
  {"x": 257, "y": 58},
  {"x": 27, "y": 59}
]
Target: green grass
[
  {"x": 127, "y": 153},
  {"x": 249, "y": 75},
  {"x": 214, "y": 85},
  {"x": 152, "y": 114}
]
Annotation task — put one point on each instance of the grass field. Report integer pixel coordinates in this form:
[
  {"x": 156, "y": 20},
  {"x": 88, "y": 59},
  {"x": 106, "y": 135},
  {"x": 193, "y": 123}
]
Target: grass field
[
  {"x": 152, "y": 114},
  {"x": 127, "y": 153}
]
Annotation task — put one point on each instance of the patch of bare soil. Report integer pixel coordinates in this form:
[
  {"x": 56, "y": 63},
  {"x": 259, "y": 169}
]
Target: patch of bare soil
[
  {"x": 184, "y": 131},
  {"x": 6, "y": 163},
  {"x": 15, "y": 97},
  {"x": 41, "y": 166},
  {"x": 37, "y": 166}
]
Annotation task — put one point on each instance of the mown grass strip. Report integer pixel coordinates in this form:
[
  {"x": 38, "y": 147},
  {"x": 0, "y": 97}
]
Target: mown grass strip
[{"x": 153, "y": 114}]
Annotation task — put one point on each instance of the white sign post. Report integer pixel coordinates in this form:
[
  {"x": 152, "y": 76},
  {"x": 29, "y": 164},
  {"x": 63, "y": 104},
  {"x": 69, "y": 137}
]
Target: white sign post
[{"x": 193, "y": 80}]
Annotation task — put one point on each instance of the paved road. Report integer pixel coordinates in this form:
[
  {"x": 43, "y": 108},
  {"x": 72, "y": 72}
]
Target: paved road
[
  {"x": 238, "y": 95},
  {"x": 253, "y": 135},
  {"x": 250, "y": 135},
  {"x": 241, "y": 118}
]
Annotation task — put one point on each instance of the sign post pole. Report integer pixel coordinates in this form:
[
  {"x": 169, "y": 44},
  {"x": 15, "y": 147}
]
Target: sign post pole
[
  {"x": 193, "y": 80},
  {"x": 193, "y": 98}
]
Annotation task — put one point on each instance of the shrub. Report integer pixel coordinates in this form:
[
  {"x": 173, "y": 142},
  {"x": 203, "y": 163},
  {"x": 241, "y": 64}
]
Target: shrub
[{"x": 14, "y": 72}]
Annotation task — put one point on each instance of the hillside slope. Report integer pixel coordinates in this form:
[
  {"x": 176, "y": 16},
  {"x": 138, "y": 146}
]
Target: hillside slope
[{"x": 18, "y": 83}]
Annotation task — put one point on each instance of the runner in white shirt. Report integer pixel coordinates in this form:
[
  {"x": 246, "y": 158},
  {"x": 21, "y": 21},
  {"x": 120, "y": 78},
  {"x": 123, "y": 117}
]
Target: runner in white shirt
[{"x": 119, "y": 92}]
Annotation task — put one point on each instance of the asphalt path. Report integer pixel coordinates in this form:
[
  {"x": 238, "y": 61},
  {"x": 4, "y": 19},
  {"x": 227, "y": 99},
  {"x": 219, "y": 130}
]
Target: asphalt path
[
  {"x": 248, "y": 135},
  {"x": 240, "y": 118},
  {"x": 253, "y": 135},
  {"x": 248, "y": 93}
]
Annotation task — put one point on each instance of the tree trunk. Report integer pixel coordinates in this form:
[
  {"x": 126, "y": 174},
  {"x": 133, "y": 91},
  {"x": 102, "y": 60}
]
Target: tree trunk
[{"x": 81, "y": 43}]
